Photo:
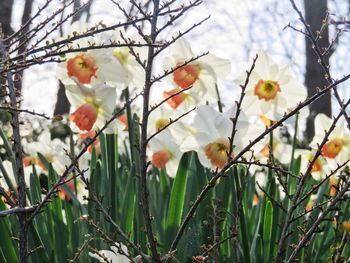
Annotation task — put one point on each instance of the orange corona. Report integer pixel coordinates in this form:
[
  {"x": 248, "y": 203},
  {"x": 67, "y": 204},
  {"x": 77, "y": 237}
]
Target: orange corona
[
  {"x": 82, "y": 67},
  {"x": 332, "y": 148},
  {"x": 266, "y": 89},
  {"x": 85, "y": 116},
  {"x": 216, "y": 152},
  {"x": 63, "y": 194},
  {"x": 333, "y": 183},
  {"x": 176, "y": 100},
  {"x": 160, "y": 158},
  {"x": 187, "y": 75},
  {"x": 316, "y": 167}
]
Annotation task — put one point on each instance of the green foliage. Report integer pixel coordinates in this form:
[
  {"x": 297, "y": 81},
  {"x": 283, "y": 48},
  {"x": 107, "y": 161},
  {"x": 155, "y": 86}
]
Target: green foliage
[{"x": 252, "y": 230}]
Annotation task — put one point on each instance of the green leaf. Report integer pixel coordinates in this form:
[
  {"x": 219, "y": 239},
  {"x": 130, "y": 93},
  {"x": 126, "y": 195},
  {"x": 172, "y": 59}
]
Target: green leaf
[
  {"x": 267, "y": 230},
  {"x": 35, "y": 188},
  {"x": 129, "y": 202},
  {"x": 43, "y": 159},
  {"x": 177, "y": 196},
  {"x": 238, "y": 173},
  {"x": 40, "y": 254},
  {"x": 253, "y": 251},
  {"x": 59, "y": 228},
  {"x": 7, "y": 177},
  {"x": 7, "y": 245}
]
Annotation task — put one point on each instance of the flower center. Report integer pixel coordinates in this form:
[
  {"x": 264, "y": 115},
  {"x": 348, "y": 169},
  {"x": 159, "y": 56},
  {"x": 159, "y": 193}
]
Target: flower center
[
  {"x": 175, "y": 100},
  {"x": 122, "y": 54},
  {"x": 185, "y": 76},
  {"x": 217, "y": 151},
  {"x": 332, "y": 148},
  {"x": 160, "y": 158},
  {"x": 85, "y": 116},
  {"x": 161, "y": 123},
  {"x": 266, "y": 89},
  {"x": 82, "y": 67}
]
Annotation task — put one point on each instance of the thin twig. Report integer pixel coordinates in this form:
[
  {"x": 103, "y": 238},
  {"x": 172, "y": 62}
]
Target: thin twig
[
  {"x": 17, "y": 210},
  {"x": 31, "y": 112}
]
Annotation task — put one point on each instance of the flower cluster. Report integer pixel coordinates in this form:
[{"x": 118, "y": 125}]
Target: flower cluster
[{"x": 192, "y": 118}]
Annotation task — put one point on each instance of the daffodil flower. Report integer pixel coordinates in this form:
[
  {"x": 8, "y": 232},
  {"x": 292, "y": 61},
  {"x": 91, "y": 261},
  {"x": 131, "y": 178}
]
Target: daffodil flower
[
  {"x": 319, "y": 169},
  {"x": 94, "y": 65},
  {"x": 200, "y": 74},
  {"x": 158, "y": 119},
  {"x": 165, "y": 152},
  {"x": 336, "y": 149},
  {"x": 113, "y": 255},
  {"x": 212, "y": 132},
  {"x": 272, "y": 90},
  {"x": 52, "y": 150},
  {"x": 92, "y": 107}
]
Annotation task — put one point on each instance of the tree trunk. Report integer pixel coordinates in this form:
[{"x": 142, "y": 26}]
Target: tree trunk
[
  {"x": 315, "y": 12},
  {"x": 5, "y": 17},
  {"x": 5, "y": 30},
  {"x": 23, "y": 43}
]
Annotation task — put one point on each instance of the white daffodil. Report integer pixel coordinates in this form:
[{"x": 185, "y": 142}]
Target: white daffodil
[
  {"x": 280, "y": 150},
  {"x": 113, "y": 255},
  {"x": 272, "y": 90},
  {"x": 52, "y": 150},
  {"x": 5, "y": 183},
  {"x": 11, "y": 176},
  {"x": 200, "y": 74},
  {"x": 95, "y": 65},
  {"x": 320, "y": 167},
  {"x": 261, "y": 181},
  {"x": 77, "y": 187},
  {"x": 336, "y": 150},
  {"x": 165, "y": 153},
  {"x": 179, "y": 99},
  {"x": 212, "y": 132},
  {"x": 158, "y": 119},
  {"x": 128, "y": 61},
  {"x": 92, "y": 106}
]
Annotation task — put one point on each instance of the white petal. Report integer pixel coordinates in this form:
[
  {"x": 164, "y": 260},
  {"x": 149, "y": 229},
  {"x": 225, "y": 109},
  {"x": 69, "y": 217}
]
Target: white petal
[
  {"x": 221, "y": 67},
  {"x": 75, "y": 96}
]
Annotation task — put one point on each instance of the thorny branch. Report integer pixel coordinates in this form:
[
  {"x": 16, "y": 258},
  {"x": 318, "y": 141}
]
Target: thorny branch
[
  {"x": 143, "y": 140},
  {"x": 21, "y": 185}
]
